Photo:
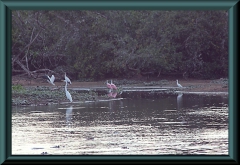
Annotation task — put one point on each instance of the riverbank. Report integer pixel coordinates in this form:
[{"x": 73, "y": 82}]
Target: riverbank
[{"x": 40, "y": 92}]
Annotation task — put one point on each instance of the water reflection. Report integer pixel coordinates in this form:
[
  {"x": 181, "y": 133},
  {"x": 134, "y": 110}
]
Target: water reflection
[
  {"x": 150, "y": 124},
  {"x": 112, "y": 94},
  {"x": 69, "y": 115},
  {"x": 179, "y": 101},
  {"x": 110, "y": 106}
]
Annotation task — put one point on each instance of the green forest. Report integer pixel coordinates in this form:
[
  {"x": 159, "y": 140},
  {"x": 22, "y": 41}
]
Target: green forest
[{"x": 100, "y": 44}]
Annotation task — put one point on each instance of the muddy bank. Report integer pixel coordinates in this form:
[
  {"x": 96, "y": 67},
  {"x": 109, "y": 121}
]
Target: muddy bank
[{"x": 40, "y": 92}]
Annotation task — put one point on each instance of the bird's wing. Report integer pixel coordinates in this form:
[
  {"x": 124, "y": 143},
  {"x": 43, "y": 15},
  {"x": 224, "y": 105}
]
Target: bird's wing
[
  {"x": 68, "y": 79},
  {"x": 52, "y": 78}
]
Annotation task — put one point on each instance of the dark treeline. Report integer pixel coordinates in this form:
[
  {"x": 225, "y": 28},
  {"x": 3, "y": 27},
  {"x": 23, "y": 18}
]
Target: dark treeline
[{"x": 120, "y": 44}]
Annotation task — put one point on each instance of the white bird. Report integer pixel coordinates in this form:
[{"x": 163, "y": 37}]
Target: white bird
[
  {"x": 66, "y": 78},
  {"x": 179, "y": 85},
  {"x": 51, "y": 80},
  {"x": 69, "y": 97},
  {"x": 109, "y": 86}
]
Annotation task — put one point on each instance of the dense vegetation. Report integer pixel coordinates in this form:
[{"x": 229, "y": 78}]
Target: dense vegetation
[{"x": 120, "y": 44}]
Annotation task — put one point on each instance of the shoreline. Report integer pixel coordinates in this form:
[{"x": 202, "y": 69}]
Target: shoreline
[{"x": 42, "y": 93}]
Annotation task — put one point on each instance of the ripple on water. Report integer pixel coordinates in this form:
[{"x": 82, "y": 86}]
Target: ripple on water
[{"x": 97, "y": 129}]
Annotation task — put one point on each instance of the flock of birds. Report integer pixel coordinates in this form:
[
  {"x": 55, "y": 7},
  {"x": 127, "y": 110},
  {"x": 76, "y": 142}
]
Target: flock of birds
[
  {"x": 67, "y": 80},
  {"x": 111, "y": 86}
]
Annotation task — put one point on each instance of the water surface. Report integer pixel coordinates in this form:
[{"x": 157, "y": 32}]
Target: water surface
[{"x": 132, "y": 123}]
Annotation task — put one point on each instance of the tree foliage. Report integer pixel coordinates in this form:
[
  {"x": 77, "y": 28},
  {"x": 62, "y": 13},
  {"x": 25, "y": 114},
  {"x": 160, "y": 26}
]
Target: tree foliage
[{"x": 116, "y": 43}]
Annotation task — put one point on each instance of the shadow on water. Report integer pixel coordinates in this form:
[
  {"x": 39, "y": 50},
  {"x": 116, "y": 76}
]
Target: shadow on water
[{"x": 126, "y": 123}]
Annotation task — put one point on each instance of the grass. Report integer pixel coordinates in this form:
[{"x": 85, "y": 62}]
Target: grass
[
  {"x": 43, "y": 95},
  {"x": 17, "y": 88}
]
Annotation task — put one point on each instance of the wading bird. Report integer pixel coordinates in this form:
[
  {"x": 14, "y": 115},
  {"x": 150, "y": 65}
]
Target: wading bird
[
  {"x": 66, "y": 78},
  {"x": 69, "y": 97},
  {"x": 113, "y": 85},
  {"x": 51, "y": 80},
  {"x": 179, "y": 85},
  {"x": 109, "y": 86},
  {"x": 112, "y": 94}
]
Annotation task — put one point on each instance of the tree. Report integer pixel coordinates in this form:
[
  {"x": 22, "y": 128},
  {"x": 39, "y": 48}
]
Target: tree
[{"x": 100, "y": 44}]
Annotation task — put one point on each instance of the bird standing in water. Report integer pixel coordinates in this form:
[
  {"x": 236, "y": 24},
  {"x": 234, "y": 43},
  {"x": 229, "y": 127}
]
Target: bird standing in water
[
  {"x": 113, "y": 85},
  {"x": 68, "y": 95},
  {"x": 112, "y": 94},
  {"x": 109, "y": 86},
  {"x": 179, "y": 85},
  {"x": 66, "y": 78}
]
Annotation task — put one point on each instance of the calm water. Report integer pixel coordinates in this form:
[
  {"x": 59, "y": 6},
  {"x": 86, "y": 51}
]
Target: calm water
[{"x": 130, "y": 124}]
